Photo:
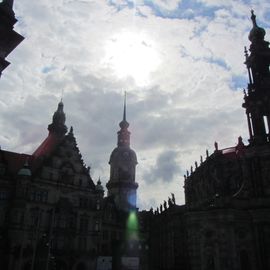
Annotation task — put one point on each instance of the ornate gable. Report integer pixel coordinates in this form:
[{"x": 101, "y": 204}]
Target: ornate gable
[{"x": 66, "y": 166}]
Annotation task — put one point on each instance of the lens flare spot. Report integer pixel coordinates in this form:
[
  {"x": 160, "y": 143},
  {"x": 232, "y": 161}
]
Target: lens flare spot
[{"x": 132, "y": 226}]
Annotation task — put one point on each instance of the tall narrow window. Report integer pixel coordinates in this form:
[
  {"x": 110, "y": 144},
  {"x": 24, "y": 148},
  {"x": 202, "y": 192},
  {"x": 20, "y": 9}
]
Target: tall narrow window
[
  {"x": 98, "y": 205},
  {"x": 97, "y": 226}
]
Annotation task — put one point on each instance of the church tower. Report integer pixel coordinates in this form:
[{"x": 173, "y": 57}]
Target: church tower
[
  {"x": 58, "y": 121},
  {"x": 57, "y": 130},
  {"x": 123, "y": 161},
  {"x": 257, "y": 98}
]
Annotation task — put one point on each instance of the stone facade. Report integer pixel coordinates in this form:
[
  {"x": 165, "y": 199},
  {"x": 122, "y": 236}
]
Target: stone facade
[
  {"x": 225, "y": 223},
  {"x": 53, "y": 216}
]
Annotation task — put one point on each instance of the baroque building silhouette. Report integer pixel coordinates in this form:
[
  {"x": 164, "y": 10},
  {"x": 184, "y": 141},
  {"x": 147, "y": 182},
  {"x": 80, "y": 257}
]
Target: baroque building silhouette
[
  {"x": 53, "y": 215},
  {"x": 9, "y": 39}
]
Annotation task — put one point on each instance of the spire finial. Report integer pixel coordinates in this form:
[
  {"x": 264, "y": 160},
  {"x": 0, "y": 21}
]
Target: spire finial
[
  {"x": 256, "y": 33},
  {"x": 123, "y": 133},
  {"x": 253, "y": 18},
  {"x": 125, "y": 105},
  {"x": 124, "y": 123},
  {"x": 62, "y": 94}
]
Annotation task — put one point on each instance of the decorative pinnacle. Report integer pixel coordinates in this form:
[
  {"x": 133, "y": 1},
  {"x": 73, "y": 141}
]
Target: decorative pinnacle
[
  {"x": 71, "y": 130},
  {"x": 216, "y": 146},
  {"x": 253, "y": 18},
  {"x": 62, "y": 94},
  {"x": 257, "y": 33},
  {"x": 246, "y": 52}
]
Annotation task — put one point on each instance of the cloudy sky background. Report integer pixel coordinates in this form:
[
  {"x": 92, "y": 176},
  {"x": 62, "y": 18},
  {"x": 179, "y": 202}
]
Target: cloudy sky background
[{"x": 180, "y": 61}]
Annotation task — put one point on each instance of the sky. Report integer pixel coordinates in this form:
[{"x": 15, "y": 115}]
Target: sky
[{"x": 180, "y": 62}]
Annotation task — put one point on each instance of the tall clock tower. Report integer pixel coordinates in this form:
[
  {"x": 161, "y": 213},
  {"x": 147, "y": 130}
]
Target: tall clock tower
[{"x": 123, "y": 161}]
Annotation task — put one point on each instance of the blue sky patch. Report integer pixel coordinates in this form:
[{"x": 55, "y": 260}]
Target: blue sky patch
[
  {"x": 238, "y": 82},
  {"x": 47, "y": 69},
  {"x": 218, "y": 61},
  {"x": 126, "y": 4},
  {"x": 187, "y": 9}
]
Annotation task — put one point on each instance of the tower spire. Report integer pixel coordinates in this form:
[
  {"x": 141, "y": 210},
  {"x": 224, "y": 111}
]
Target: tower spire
[
  {"x": 125, "y": 101},
  {"x": 123, "y": 161},
  {"x": 123, "y": 133},
  {"x": 124, "y": 123},
  {"x": 58, "y": 121},
  {"x": 256, "y": 101}
]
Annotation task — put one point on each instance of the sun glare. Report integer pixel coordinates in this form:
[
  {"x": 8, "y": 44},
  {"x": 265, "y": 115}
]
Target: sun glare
[{"x": 132, "y": 55}]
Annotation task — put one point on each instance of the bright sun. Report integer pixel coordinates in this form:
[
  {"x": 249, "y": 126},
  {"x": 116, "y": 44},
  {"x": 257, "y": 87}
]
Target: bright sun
[{"x": 132, "y": 55}]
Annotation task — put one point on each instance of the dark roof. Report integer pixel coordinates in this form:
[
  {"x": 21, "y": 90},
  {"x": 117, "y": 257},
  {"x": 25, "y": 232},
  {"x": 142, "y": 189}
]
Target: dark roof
[
  {"x": 47, "y": 146},
  {"x": 15, "y": 161}
]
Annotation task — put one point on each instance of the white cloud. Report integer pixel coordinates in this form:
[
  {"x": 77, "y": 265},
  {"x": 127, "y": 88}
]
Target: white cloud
[{"x": 188, "y": 102}]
